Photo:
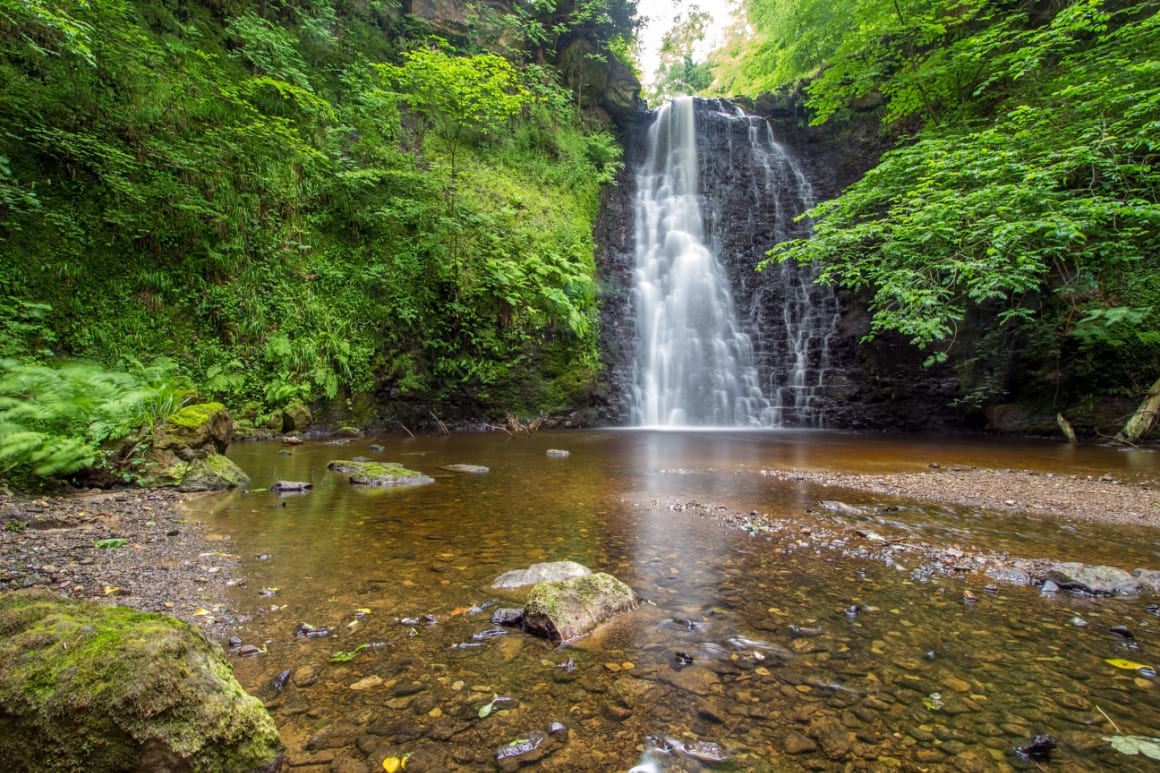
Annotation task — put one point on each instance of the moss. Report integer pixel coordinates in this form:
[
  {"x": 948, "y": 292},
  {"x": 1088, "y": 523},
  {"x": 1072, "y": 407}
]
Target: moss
[
  {"x": 86, "y": 687},
  {"x": 565, "y": 609},
  {"x": 194, "y": 416},
  {"x": 379, "y": 473},
  {"x": 214, "y": 472}
]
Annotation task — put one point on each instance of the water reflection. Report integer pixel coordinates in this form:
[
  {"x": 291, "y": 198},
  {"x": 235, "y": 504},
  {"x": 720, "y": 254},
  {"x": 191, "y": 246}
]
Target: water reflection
[{"x": 1008, "y": 666}]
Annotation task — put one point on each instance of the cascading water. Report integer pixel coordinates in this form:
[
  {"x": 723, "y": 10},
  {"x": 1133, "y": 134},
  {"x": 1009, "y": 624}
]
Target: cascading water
[{"x": 697, "y": 361}]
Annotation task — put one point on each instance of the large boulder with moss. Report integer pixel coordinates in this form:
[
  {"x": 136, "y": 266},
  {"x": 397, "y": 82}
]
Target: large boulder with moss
[
  {"x": 296, "y": 417},
  {"x": 548, "y": 571},
  {"x": 187, "y": 452},
  {"x": 381, "y": 474},
  {"x": 85, "y": 687},
  {"x": 566, "y": 609}
]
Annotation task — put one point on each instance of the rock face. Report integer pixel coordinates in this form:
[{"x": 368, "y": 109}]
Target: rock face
[
  {"x": 545, "y": 572},
  {"x": 86, "y": 687},
  {"x": 381, "y": 474},
  {"x": 565, "y": 609},
  {"x": 602, "y": 81},
  {"x": 1097, "y": 580},
  {"x": 187, "y": 451}
]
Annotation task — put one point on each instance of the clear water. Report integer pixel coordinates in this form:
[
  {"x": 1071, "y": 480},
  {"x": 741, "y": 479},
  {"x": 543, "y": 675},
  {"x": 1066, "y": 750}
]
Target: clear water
[{"x": 1005, "y": 668}]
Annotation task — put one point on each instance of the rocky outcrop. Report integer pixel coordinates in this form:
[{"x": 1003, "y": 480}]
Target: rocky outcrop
[
  {"x": 603, "y": 82},
  {"x": 566, "y": 609},
  {"x": 379, "y": 474},
  {"x": 187, "y": 452},
  {"x": 85, "y": 687}
]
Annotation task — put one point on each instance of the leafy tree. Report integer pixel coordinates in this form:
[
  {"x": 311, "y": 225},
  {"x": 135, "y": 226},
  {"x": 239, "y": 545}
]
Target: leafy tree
[
  {"x": 1032, "y": 201},
  {"x": 678, "y": 72}
]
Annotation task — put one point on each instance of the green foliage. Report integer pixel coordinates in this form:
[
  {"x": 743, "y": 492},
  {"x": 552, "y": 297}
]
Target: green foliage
[
  {"x": 679, "y": 74},
  {"x": 53, "y": 420},
  {"x": 295, "y": 205},
  {"x": 1044, "y": 217}
]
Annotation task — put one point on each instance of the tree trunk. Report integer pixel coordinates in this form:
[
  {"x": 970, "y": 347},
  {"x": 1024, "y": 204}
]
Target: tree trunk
[
  {"x": 1143, "y": 419},
  {"x": 1065, "y": 427}
]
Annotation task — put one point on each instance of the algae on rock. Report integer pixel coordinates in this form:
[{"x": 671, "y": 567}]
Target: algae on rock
[
  {"x": 85, "y": 687},
  {"x": 382, "y": 474},
  {"x": 565, "y": 609}
]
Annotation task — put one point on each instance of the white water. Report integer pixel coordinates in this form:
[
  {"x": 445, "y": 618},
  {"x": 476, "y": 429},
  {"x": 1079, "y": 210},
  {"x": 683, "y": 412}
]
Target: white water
[
  {"x": 694, "y": 365},
  {"x": 695, "y": 362}
]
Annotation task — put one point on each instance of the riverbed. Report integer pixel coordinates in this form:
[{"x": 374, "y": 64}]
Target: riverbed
[{"x": 777, "y": 629}]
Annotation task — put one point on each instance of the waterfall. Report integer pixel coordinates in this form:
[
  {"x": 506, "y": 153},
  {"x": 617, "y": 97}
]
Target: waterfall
[{"x": 698, "y": 362}]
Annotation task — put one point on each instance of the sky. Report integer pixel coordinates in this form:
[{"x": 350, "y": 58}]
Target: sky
[{"x": 660, "y": 15}]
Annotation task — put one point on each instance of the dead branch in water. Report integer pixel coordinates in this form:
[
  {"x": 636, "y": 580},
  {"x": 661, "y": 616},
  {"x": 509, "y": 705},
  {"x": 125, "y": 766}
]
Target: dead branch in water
[
  {"x": 409, "y": 432},
  {"x": 439, "y": 422}
]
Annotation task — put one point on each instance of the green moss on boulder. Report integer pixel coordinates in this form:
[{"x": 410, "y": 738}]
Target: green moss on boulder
[
  {"x": 379, "y": 473},
  {"x": 296, "y": 417},
  {"x": 213, "y": 473},
  {"x": 565, "y": 609},
  {"x": 85, "y": 687}
]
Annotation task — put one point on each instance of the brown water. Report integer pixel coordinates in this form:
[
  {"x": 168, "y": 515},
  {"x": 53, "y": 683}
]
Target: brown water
[{"x": 918, "y": 680}]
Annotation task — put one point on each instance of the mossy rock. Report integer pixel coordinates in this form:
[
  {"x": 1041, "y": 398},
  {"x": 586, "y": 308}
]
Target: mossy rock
[
  {"x": 566, "y": 609},
  {"x": 213, "y": 473},
  {"x": 348, "y": 432},
  {"x": 383, "y": 474},
  {"x": 86, "y": 687},
  {"x": 296, "y": 417},
  {"x": 195, "y": 431}
]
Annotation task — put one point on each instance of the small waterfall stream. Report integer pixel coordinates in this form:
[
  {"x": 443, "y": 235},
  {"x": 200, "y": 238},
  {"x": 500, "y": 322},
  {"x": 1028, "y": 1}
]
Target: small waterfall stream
[{"x": 701, "y": 363}]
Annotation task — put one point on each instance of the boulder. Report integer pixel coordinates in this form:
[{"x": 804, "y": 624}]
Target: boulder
[
  {"x": 565, "y": 609},
  {"x": 1096, "y": 580},
  {"x": 291, "y": 485},
  {"x": 194, "y": 432},
  {"x": 91, "y": 687},
  {"x": 382, "y": 474},
  {"x": 296, "y": 417},
  {"x": 348, "y": 432},
  {"x": 213, "y": 473},
  {"x": 187, "y": 452},
  {"x": 545, "y": 572}
]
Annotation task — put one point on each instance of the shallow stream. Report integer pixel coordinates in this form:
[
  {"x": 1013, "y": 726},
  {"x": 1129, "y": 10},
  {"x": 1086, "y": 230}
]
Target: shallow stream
[{"x": 915, "y": 677}]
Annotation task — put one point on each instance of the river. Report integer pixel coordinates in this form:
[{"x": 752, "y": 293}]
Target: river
[{"x": 886, "y": 667}]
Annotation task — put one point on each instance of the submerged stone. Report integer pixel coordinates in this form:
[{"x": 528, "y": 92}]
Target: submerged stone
[
  {"x": 543, "y": 572},
  {"x": 471, "y": 468},
  {"x": 566, "y": 609},
  {"x": 381, "y": 474},
  {"x": 88, "y": 687}
]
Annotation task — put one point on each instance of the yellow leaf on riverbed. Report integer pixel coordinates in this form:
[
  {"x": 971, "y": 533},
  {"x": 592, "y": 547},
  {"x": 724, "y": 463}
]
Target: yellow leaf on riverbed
[
  {"x": 394, "y": 764},
  {"x": 1127, "y": 665},
  {"x": 201, "y": 612}
]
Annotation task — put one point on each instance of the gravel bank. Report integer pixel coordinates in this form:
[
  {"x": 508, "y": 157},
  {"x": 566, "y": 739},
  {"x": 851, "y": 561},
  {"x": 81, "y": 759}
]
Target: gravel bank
[
  {"x": 1103, "y": 499},
  {"x": 73, "y": 546}
]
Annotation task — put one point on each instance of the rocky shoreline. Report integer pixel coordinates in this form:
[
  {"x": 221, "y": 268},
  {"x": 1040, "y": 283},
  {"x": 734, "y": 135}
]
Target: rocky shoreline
[
  {"x": 1101, "y": 499},
  {"x": 132, "y": 547}
]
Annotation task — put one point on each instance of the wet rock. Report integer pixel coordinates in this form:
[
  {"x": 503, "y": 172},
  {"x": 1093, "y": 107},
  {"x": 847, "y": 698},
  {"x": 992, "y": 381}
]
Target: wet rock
[
  {"x": 530, "y": 747},
  {"x": 1009, "y": 575},
  {"x": 375, "y": 448},
  {"x": 1048, "y": 588},
  {"x": 565, "y": 609},
  {"x": 467, "y": 468},
  {"x": 348, "y": 432},
  {"x": 617, "y": 713},
  {"x": 367, "y": 683},
  {"x": 379, "y": 474},
  {"x": 543, "y": 572},
  {"x": 1096, "y": 580},
  {"x": 1148, "y": 579},
  {"x": 835, "y": 738},
  {"x": 291, "y": 485},
  {"x": 1040, "y": 748},
  {"x": 395, "y": 729},
  {"x": 558, "y": 453},
  {"x": 278, "y": 684},
  {"x": 705, "y": 752},
  {"x": 796, "y": 743},
  {"x": 306, "y": 676},
  {"x": 156, "y": 693},
  {"x": 508, "y": 616},
  {"x": 842, "y": 508},
  {"x": 409, "y": 688}
]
